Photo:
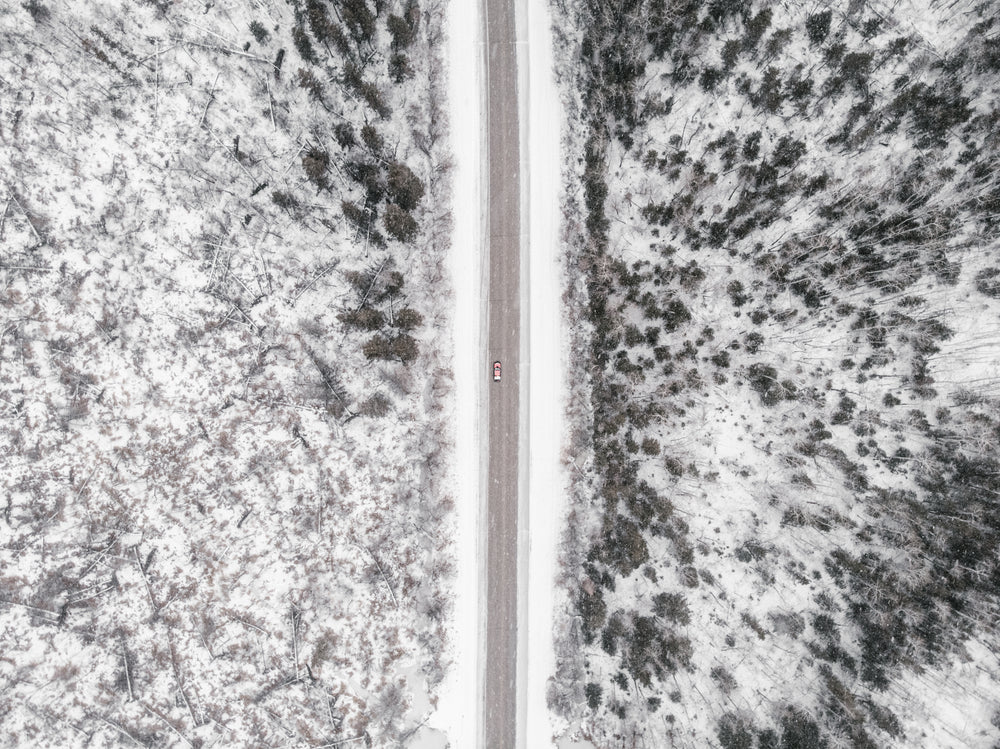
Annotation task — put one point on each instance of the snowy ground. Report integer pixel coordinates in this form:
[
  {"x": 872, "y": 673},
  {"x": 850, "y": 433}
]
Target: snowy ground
[
  {"x": 457, "y": 709},
  {"x": 179, "y": 384},
  {"x": 547, "y": 363}
]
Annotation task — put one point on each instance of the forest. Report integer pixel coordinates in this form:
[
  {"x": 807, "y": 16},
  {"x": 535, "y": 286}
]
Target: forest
[{"x": 783, "y": 224}]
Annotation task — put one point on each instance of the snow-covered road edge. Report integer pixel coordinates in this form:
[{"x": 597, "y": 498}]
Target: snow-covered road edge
[
  {"x": 547, "y": 486},
  {"x": 457, "y": 708},
  {"x": 544, "y": 387}
]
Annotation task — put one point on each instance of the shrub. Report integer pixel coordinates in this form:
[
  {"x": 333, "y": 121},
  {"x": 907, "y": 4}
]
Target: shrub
[
  {"x": 408, "y": 319},
  {"x": 750, "y": 551},
  {"x": 401, "y": 31},
  {"x": 400, "y": 224},
  {"x": 736, "y": 293},
  {"x": 793, "y": 516},
  {"x": 763, "y": 378},
  {"x": 988, "y": 282},
  {"x": 709, "y": 78},
  {"x": 674, "y": 466},
  {"x": 734, "y": 732},
  {"x": 790, "y": 625},
  {"x": 592, "y": 692},
  {"x": 316, "y": 162},
  {"x": 799, "y": 731},
  {"x": 689, "y": 576},
  {"x": 304, "y": 45},
  {"x": 260, "y": 33},
  {"x": 284, "y": 200},
  {"x": 818, "y": 26},
  {"x": 306, "y": 79},
  {"x": 376, "y": 406},
  {"x": 788, "y": 152},
  {"x": 721, "y": 676},
  {"x": 672, "y": 607},
  {"x": 365, "y": 318},
  {"x": 404, "y": 186},
  {"x": 675, "y": 315},
  {"x": 399, "y": 67},
  {"x": 402, "y": 348}
]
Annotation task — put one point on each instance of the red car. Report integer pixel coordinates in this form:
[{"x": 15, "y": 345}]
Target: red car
[{"x": 496, "y": 371}]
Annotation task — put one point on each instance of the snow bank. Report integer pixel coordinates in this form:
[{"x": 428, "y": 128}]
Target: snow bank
[
  {"x": 546, "y": 360},
  {"x": 459, "y": 701}
]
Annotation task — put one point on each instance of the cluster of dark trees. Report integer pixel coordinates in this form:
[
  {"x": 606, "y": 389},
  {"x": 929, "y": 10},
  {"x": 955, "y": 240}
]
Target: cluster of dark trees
[{"x": 380, "y": 311}]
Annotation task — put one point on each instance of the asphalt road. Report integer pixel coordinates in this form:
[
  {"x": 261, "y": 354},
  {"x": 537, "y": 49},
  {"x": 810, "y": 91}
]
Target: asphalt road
[{"x": 499, "y": 713}]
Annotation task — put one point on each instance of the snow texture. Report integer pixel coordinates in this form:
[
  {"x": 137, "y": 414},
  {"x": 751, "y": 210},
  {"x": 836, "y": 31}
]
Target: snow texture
[
  {"x": 225, "y": 518},
  {"x": 548, "y": 369},
  {"x": 460, "y": 691}
]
